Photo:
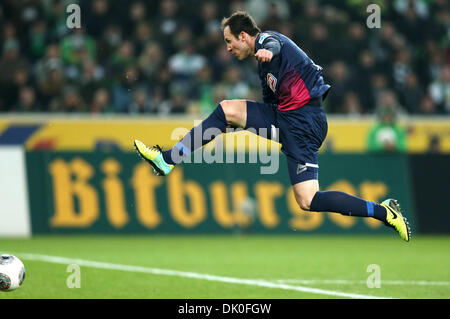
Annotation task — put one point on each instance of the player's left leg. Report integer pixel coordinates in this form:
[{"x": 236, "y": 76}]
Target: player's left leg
[
  {"x": 302, "y": 132},
  {"x": 228, "y": 112},
  {"x": 309, "y": 198}
]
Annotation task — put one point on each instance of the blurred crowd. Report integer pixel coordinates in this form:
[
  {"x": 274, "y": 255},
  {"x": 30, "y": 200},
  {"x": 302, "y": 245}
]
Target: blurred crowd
[{"x": 168, "y": 56}]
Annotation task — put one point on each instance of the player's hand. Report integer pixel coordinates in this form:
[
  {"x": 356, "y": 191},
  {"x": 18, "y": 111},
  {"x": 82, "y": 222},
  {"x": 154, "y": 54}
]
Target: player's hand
[{"x": 264, "y": 55}]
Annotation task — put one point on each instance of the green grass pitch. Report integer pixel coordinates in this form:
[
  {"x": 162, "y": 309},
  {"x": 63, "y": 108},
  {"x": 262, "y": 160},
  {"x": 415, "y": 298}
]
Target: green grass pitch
[{"x": 289, "y": 266}]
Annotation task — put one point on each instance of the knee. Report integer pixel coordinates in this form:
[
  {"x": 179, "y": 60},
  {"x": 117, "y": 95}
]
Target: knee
[
  {"x": 304, "y": 204},
  {"x": 304, "y": 200},
  {"x": 232, "y": 110},
  {"x": 304, "y": 193},
  {"x": 228, "y": 110}
]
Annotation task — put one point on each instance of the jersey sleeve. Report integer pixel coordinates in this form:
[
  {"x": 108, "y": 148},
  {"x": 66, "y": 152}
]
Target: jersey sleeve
[{"x": 270, "y": 43}]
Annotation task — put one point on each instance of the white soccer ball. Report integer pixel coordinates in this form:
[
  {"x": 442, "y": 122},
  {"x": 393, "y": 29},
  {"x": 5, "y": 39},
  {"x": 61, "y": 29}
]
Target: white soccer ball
[{"x": 12, "y": 272}]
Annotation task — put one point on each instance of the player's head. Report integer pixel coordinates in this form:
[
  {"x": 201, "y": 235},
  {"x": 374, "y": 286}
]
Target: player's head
[{"x": 239, "y": 32}]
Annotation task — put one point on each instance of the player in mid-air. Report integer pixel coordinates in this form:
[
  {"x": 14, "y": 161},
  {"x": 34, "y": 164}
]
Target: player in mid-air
[{"x": 293, "y": 90}]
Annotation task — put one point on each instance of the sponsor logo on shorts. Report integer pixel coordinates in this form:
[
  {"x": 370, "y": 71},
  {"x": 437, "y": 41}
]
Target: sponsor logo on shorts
[{"x": 301, "y": 168}]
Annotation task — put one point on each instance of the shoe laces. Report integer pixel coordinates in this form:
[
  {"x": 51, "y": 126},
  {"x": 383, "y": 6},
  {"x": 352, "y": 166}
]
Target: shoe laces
[{"x": 157, "y": 147}]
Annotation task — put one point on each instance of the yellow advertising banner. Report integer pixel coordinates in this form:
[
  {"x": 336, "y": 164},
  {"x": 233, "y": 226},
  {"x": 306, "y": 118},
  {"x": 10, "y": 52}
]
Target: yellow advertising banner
[{"x": 83, "y": 133}]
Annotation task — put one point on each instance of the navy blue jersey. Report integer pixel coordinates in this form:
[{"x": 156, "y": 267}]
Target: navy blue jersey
[{"x": 291, "y": 79}]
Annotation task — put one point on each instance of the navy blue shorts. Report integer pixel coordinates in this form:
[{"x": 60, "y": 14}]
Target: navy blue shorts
[{"x": 301, "y": 133}]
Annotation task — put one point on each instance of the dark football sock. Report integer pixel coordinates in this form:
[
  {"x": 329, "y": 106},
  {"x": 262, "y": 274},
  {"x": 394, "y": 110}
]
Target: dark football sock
[
  {"x": 346, "y": 204},
  {"x": 196, "y": 137}
]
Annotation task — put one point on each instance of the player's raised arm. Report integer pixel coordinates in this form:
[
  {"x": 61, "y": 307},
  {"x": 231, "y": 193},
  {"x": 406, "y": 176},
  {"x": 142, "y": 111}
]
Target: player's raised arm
[
  {"x": 271, "y": 47},
  {"x": 264, "y": 55}
]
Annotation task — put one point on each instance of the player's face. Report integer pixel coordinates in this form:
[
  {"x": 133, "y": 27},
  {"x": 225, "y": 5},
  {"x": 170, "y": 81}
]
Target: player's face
[{"x": 236, "y": 46}]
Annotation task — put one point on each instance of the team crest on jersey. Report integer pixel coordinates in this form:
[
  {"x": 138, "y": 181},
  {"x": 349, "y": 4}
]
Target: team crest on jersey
[{"x": 271, "y": 81}]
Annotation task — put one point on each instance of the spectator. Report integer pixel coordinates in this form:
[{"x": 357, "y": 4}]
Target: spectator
[
  {"x": 21, "y": 79},
  {"x": 401, "y": 68},
  {"x": 434, "y": 145},
  {"x": 150, "y": 61},
  {"x": 97, "y": 18},
  {"x": 137, "y": 14},
  {"x": 9, "y": 33},
  {"x": 411, "y": 93},
  {"x": 352, "y": 49},
  {"x": 319, "y": 44},
  {"x": 311, "y": 13},
  {"x": 221, "y": 60},
  {"x": 204, "y": 91},
  {"x": 51, "y": 60},
  {"x": 277, "y": 14},
  {"x": 141, "y": 102},
  {"x": 207, "y": 28},
  {"x": 420, "y": 7},
  {"x": 75, "y": 49},
  {"x": 413, "y": 20},
  {"x": 427, "y": 106},
  {"x": 143, "y": 34},
  {"x": 365, "y": 67},
  {"x": 340, "y": 81},
  {"x": 338, "y": 26},
  {"x": 101, "y": 102},
  {"x": 38, "y": 40},
  {"x": 440, "y": 27},
  {"x": 351, "y": 104},
  {"x": 27, "y": 100},
  {"x": 386, "y": 135},
  {"x": 263, "y": 11},
  {"x": 440, "y": 89},
  {"x": 70, "y": 101},
  {"x": 10, "y": 62},
  {"x": 177, "y": 104},
  {"x": 92, "y": 77},
  {"x": 122, "y": 58},
  {"x": 383, "y": 46},
  {"x": 380, "y": 83},
  {"x": 168, "y": 23},
  {"x": 185, "y": 64},
  {"x": 122, "y": 91},
  {"x": 109, "y": 42},
  {"x": 435, "y": 61},
  {"x": 233, "y": 85},
  {"x": 52, "y": 86},
  {"x": 56, "y": 17}
]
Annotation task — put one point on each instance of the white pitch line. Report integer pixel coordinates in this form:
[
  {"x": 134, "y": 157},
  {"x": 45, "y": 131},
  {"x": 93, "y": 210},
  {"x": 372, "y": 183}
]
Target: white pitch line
[
  {"x": 348, "y": 282},
  {"x": 185, "y": 274}
]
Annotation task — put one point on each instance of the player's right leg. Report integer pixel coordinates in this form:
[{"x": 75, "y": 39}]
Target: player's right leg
[
  {"x": 395, "y": 219},
  {"x": 228, "y": 112}
]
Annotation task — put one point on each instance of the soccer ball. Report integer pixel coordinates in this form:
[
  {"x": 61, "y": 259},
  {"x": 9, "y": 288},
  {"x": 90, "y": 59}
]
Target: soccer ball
[{"x": 12, "y": 272}]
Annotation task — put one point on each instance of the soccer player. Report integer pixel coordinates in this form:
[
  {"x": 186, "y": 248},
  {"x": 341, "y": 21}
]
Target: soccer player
[{"x": 293, "y": 90}]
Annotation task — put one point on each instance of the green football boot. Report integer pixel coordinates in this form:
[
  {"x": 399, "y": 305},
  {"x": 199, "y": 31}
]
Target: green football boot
[
  {"x": 395, "y": 219},
  {"x": 153, "y": 155}
]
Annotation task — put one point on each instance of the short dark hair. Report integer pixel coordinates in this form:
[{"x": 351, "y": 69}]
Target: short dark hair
[{"x": 240, "y": 21}]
